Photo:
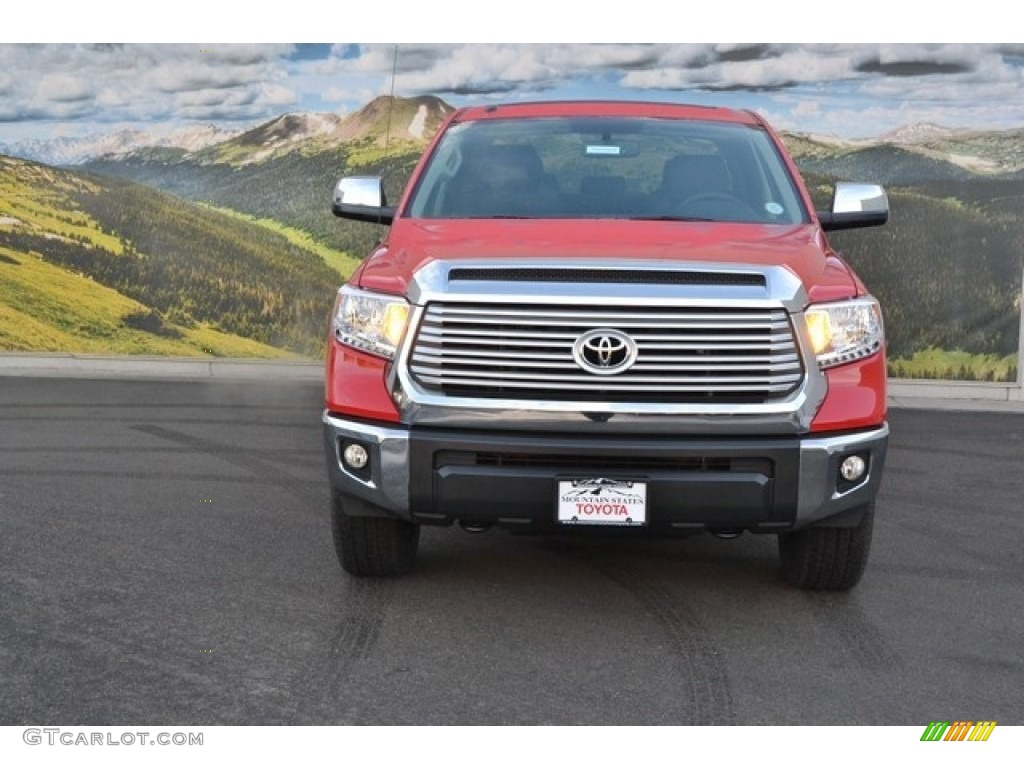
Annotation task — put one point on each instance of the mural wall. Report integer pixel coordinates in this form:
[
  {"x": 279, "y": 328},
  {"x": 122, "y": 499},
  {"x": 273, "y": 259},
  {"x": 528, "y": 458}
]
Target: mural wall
[{"x": 173, "y": 199}]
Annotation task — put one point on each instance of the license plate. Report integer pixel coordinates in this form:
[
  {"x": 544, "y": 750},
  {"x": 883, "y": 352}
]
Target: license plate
[{"x": 602, "y": 501}]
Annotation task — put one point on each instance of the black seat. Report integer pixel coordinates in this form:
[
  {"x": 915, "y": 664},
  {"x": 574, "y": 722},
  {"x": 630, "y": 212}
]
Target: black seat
[
  {"x": 520, "y": 157},
  {"x": 502, "y": 180},
  {"x": 686, "y": 176}
]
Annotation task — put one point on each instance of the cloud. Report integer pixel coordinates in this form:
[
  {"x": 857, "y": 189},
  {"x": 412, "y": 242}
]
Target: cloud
[
  {"x": 337, "y": 93},
  {"x": 482, "y": 69},
  {"x": 346, "y": 99},
  {"x": 477, "y": 69},
  {"x": 717, "y": 69},
  {"x": 63, "y": 88},
  {"x": 913, "y": 68},
  {"x": 274, "y": 94},
  {"x": 114, "y": 83},
  {"x": 210, "y": 97},
  {"x": 112, "y": 98},
  {"x": 736, "y": 53},
  {"x": 806, "y": 109},
  {"x": 923, "y": 60},
  {"x": 194, "y": 71}
]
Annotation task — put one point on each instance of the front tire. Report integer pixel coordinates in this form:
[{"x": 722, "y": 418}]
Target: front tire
[
  {"x": 371, "y": 546},
  {"x": 827, "y": 558}
]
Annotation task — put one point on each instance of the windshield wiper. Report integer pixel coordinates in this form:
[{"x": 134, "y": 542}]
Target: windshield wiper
[{"x": 670, "y": 218}]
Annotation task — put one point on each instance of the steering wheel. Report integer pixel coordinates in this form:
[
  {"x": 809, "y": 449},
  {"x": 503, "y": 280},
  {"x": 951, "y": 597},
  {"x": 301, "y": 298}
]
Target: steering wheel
[{"x": 717, "y": 202}]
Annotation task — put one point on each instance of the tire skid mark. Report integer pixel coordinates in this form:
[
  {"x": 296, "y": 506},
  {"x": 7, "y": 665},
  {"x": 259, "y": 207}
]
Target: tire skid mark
[
  {"x": 925, "y": 498},
  {"x": 278, "y": 454},
  {"x": 860, "y": 637},
  {"x": 48, "y": 644},
  {"x": 364, "y": 606},
  {"x": 996, "y": 574},
  {"x": 151, "y": 417},
  {"x": 121, "y": 474},
  {"x": 1013, "y": 457},
  {"x": 232, "y": 454},
  {"x": 162, "y": 406},
  {"x": 949, "y": 539},
  {"x": 899, "y": 469},
  {"x": 710, "y": 695},
  {"x": 708, "y": 700}
]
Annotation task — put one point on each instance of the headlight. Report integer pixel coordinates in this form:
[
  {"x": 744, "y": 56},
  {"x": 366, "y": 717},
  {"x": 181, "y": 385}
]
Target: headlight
[
  {"x": 373, "y": 322},
  {"x": 845, "y": 330}
]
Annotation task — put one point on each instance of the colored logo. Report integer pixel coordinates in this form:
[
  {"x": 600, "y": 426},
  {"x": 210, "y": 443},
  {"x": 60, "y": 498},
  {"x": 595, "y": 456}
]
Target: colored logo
[{"x": 960, "y": 730}]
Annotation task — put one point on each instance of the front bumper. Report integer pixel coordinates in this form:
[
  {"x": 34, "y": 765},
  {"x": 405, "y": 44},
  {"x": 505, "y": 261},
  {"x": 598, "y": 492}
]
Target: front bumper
[{"x": 763, "y": 484}]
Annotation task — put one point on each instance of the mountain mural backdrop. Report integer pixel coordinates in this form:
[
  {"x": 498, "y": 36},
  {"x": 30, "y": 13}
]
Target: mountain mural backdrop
[{"x": 206, "y": 241}]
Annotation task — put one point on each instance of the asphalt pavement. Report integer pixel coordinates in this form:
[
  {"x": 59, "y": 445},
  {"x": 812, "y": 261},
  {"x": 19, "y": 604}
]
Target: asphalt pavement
[{"x": 165, "y": 557}]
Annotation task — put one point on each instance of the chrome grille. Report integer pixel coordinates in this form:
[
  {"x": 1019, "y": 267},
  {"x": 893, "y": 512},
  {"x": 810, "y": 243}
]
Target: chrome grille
[{"x": 725, "y": 355}]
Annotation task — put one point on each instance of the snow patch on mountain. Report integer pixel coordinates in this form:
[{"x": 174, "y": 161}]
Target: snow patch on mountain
[
  {"x": 419, "y": 122},
  {"x": 81, "y": 149},
  {"x": 917, "y": 133},
  {"x": 194, "y": 137}
]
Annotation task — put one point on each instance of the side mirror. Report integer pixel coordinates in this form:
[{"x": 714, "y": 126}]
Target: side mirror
[
  {"x": 855, "y": 205},
  {"x": 361, "y": 198}
]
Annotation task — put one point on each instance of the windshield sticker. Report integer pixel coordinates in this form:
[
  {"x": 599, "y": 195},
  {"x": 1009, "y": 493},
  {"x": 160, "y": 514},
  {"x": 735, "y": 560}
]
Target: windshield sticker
[
  {"x": 603, "y": 149},
  {"x": 773, "y": 208}
]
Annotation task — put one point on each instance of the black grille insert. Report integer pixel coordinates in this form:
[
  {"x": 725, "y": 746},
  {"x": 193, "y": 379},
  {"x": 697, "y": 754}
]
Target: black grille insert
[
  {"x": 571, "y": 462},
  {"x": 569, "y": 275}
]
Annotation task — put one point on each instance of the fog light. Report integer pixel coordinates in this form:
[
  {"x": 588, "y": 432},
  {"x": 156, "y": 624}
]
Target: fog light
[
  {"x": 355, "y": 456},
  {"x": 852, "y": 468}
]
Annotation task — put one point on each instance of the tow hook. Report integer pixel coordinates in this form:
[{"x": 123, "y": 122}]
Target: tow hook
[
  {"x": 470, "y": 526},
  {"x": 728, "y": 534}
]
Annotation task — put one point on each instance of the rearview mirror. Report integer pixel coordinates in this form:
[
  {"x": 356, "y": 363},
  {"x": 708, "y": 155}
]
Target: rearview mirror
[
  {"x": 856, "y": 205},
  {"x": 362, "y": 198}
]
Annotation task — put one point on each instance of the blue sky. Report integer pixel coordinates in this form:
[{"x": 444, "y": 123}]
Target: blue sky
[{"x": 846, "y": 89}]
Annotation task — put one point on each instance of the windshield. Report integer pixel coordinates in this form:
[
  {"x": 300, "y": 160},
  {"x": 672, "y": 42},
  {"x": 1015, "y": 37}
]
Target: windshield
[{"x": 593, "y": 167}]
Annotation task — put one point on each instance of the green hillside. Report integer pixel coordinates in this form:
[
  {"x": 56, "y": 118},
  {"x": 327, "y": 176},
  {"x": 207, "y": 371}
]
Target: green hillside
[
  {"x": 883, "y": 165},
  {"x": 340, "y": 262},
  {"x": 947, "y": 273},
  {"x": 44, "y": 308},
  {"x": 294, "y": 189},
  {"x": 89, "y": 264},
  {"x": 285, "y": 169}
]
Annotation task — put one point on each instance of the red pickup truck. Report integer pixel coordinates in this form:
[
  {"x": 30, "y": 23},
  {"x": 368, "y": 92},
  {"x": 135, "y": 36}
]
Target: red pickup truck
[{"x": 610, "y": 315}]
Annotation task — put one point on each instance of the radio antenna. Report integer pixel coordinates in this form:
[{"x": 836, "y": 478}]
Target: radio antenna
[
  {"x": 384, "y": 168},
  {"x": 391, "y": 107}
]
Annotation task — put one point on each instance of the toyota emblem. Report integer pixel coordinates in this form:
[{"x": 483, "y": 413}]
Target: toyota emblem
[{"x": 604, "y": 351}]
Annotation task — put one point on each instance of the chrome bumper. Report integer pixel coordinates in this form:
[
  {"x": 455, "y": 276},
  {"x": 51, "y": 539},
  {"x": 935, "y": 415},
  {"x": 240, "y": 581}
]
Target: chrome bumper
[
  {"x": 818, "y": 498},
  {"x": 387, "y": 482}
]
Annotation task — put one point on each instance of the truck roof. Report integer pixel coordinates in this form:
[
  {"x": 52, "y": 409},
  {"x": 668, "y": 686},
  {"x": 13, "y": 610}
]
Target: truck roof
[{"x": 606, "y": 109}]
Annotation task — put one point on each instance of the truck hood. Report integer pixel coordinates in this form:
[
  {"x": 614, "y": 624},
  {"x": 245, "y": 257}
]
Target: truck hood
[{"x": 413, "y": 243}]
